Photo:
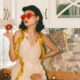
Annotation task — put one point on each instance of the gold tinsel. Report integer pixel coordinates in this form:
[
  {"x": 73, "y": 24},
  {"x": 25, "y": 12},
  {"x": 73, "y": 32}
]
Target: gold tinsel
[
  {"x": 66, "y": 37},
  {"x": 20, "y": 58},
  {"x": 17, "y": 54},
  {"x": 50, "y": 62},
  {"x": 40, "y": 43}
]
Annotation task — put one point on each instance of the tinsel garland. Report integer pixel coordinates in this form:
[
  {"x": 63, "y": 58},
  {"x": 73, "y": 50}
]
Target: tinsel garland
[
  {"x": 40, "y": 43},
  {"x": 66, "y": 37},
  {"x": 17, "y": 54},
  {"x": 20, "y": 58}
]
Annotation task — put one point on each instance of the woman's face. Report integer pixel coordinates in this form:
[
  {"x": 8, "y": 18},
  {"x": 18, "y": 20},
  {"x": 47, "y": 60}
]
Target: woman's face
[{"x": 32, "y": 20}]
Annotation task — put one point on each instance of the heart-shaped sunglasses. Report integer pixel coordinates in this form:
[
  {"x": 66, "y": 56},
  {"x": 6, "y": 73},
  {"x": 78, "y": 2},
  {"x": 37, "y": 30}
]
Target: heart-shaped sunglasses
[{"x": 28, "y": 16}]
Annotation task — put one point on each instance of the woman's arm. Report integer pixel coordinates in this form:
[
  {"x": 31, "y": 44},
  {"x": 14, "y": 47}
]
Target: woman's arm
[
  {"x": 50, "y": 45},
  {"x": 12, "y": 40},
  {"x": 12, "y": 53}
]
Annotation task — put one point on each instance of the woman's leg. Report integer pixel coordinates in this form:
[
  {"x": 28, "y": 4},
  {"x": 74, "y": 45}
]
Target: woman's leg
[{"x": 36, "y": 76}]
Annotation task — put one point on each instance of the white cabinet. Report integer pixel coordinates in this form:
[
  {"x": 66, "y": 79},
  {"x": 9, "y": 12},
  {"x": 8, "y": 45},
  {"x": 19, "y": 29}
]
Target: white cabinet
[
  {"x": 51, "y": 18},
  {"x": 8, "y": 12},
  {"x": 20, "y": 5},
  {"x": 2, "y": 10},
  {"x": 38, "y": 3},
  {"x": 65, "y": 21},
  {"x": 11, "y": 10}
]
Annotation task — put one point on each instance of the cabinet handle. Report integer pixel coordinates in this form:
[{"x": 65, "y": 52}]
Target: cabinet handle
[
  {"x": 53, "y": 77},
  {"x": 46, "y": 14},
  {"x": 5, "y": 14},
  {"x": 8, "y": 13}
]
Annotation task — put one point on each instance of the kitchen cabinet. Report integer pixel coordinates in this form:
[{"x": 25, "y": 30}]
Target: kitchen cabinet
[
  {"x": 69, "y": 20},
  {"x": 8, "y": 12},
  {"x": 11, "y": 10},
  {"x": 2, "y": 16}
]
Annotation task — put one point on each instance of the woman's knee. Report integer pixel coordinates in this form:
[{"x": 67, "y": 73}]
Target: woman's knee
[{"x": 36, "y": 77}]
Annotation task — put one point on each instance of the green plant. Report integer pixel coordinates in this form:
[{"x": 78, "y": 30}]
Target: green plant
[{"x": 61, "y": 7}]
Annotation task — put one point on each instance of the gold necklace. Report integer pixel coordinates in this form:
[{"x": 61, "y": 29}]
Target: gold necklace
[{"x": 30, "y": 37}]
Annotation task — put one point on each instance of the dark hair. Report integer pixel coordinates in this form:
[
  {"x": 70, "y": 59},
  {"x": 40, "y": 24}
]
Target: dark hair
[{"x": 33, "y": 8}]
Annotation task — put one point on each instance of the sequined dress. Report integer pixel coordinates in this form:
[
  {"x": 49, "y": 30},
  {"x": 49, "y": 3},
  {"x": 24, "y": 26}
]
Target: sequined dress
[{"x": 30, "y": 56}]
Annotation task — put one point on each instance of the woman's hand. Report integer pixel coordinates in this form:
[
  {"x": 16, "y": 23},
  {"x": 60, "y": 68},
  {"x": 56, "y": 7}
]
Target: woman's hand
[{"x": 9, "y": 34}]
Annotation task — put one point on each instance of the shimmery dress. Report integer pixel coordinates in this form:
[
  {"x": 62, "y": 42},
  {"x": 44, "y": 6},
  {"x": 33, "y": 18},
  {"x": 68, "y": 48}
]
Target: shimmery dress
[{"x": 30, "y": 56}]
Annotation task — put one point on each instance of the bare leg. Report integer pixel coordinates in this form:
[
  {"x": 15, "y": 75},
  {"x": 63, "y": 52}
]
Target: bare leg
[{"x": 36, "y": 76}]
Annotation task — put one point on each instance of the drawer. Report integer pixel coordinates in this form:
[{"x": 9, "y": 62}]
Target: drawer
[{"x": 62, "y": 75}]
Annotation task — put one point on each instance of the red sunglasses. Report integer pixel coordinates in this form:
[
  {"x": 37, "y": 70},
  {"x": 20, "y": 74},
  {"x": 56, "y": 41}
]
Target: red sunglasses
[{"x": 28, "y": 16}]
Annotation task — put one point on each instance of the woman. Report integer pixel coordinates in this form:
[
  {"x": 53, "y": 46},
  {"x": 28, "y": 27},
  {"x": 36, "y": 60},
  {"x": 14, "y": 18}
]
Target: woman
[{"x": 27, "y": 41}]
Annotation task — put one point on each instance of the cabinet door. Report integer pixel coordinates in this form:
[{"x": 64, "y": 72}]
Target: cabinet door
[
  {"x": 8, "y": 11},
  {"x": 2, "y": 13},
  {"x": 20, "y": 5},
  {"x": 11, "y": 8},
  {"x": 65, "y": 13}
]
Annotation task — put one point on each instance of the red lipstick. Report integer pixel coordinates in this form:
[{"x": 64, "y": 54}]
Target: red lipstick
[{"x": 26, "y": 21}]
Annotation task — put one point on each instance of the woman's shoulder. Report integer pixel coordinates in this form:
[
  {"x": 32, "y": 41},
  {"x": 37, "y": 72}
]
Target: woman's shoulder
[
  {"x": 45, "y": 38},
  {"x": 18, "y": 33}
]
